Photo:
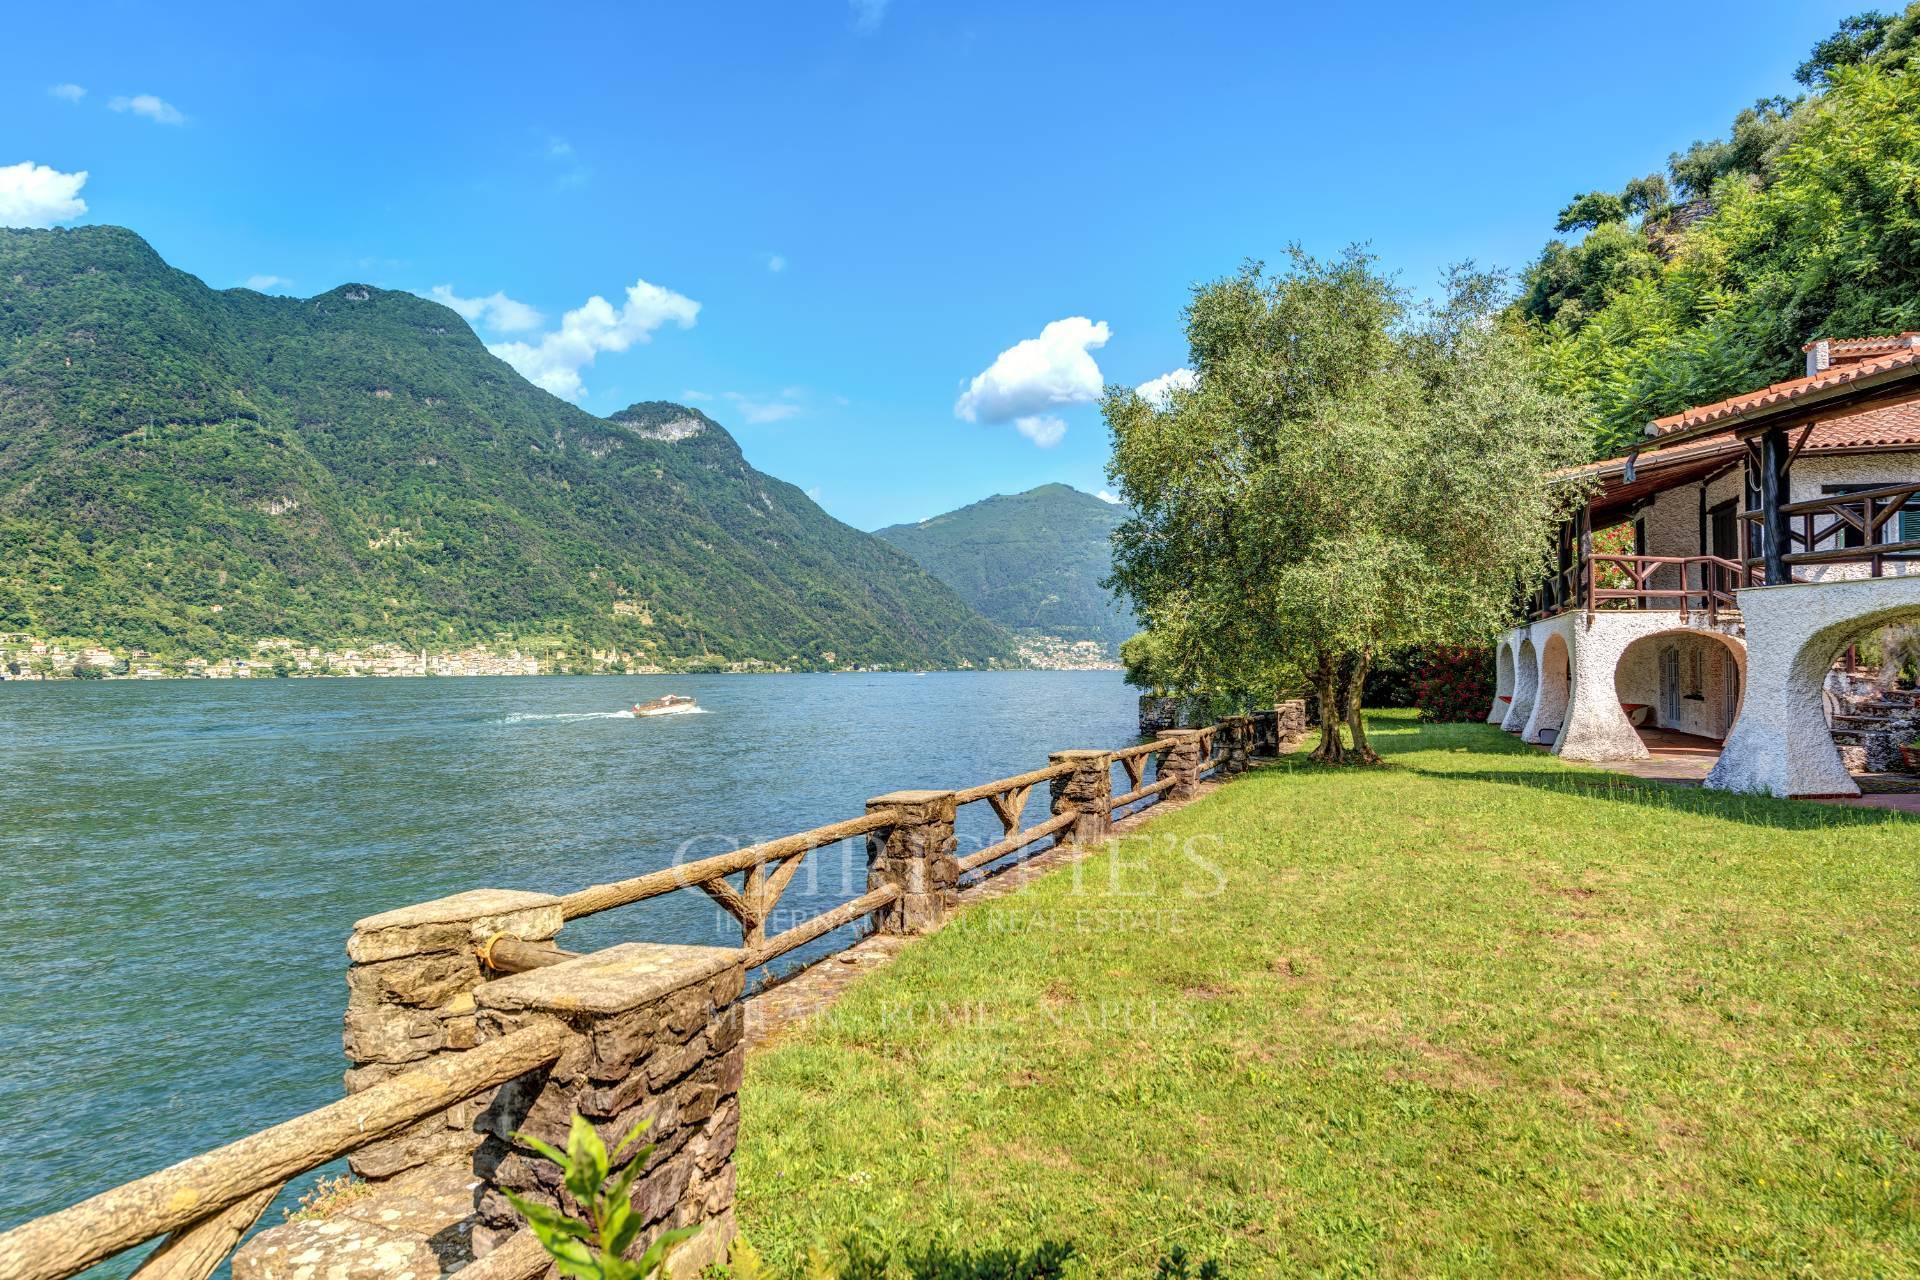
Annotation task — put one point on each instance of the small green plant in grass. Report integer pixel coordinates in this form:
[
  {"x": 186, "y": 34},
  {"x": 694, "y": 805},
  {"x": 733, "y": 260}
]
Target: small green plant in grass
[
  {"x": 858, "y": 1260},
  {"x": 596, "y": 1249},
  {"x": 1174, "y": 1266}
]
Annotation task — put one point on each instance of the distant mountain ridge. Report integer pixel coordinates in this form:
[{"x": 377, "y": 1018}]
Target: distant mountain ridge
[
  {"x": 1032, "y": 562},
  {"x": 186, "y": 469}
]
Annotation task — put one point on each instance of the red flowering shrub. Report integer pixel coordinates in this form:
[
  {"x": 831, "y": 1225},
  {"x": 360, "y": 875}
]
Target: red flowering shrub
[{"x": 1453, "y": 684}]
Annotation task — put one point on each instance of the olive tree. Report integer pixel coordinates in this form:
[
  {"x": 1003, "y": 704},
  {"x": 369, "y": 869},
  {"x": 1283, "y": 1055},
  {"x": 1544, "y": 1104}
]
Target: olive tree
[{"x": 1347, "y": 478}]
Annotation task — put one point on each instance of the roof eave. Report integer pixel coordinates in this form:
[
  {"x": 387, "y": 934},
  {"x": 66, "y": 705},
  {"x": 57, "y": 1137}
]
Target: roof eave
[{"x": 1854, "y": 393}]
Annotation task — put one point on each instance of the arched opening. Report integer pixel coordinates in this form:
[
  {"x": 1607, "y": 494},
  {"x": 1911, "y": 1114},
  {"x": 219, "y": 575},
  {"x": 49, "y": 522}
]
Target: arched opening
[
  {"x": 1556, "y": 687},
  {"x": 1868, "y": 695},
  {"x": 1784, "y": 742},
  {"x": 1526, "y": 683},
  {"x": 1682, "y": 690},
  {"x": 1502, "y": 684}
]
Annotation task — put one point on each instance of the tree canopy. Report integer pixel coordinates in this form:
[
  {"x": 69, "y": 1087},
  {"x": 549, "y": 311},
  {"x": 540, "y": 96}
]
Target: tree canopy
[
  {"x": 1803, "y": 222},
  {"x": 1350, "y": 477}
]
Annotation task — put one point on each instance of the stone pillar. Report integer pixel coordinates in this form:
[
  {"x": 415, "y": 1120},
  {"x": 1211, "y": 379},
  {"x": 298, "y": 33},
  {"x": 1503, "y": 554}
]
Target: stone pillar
[
  {"x": 410, "y": 997},
  {"x": 659, "y": 1041},
  {"x": 1181, "y": 763},
  {"x": 1087, "y": 793},
  {"x": 1236, "y": 733},
  {"x": 917, "y": 854},
  {"x": 1290, "y": 724}
]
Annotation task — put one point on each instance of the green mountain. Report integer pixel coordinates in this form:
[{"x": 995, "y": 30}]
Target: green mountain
[
  {"x": 186, "y": 470},
  {"x": 1031, "y": 561}
]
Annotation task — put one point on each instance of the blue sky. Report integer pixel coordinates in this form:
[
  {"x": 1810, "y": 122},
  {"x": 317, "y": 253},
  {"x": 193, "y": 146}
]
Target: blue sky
[{"x": 836, "y": 217}]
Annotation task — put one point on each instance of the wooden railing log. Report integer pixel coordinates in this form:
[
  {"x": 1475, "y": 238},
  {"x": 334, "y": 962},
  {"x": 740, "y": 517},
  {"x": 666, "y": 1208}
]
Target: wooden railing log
[
  {"x": 507, "y": 954},
  {"x": 821, "y": 925},
  {"x": 620, "y": 893},
  {"x": 986, "y": 789},
  {"x": 65, "y": 1243},
  {"x": 196, "y": 1252},
  {"x": 1018, "y": 840},
  {"x": 1141, "y": 793}
]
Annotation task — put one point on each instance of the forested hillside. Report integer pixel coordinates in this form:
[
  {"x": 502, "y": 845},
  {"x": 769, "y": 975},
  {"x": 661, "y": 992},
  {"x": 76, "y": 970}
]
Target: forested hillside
[
  {"x": 1031, "y": 561},
  {"x": 1688, "y": 285},
  {"x": 187, "y": 470}
]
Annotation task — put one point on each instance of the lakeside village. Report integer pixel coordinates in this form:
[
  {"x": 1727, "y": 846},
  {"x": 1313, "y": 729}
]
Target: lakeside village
[{"x": 27, "y": 657}]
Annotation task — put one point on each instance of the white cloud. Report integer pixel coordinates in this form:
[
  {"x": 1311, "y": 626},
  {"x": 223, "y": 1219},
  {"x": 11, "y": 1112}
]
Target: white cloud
[
  {"x": 67, "y": 92},
  {"x": 1104, "y": 496},
  {"x": 1038, "y": 374},
  {"x": 696, "y": 395},
  {"x": 158, "y": 110},
  {"x": 35, "y": 195},
  {"x": 776, "y": 263},
  {"x": 867, "y": 13},
  {"x": 496, "y": 311},
  {"x": 555, "y": 361},
  {"x": 260, "y": 284},
  {"x": 758, "y": 410},
  {"x": 1159, "y": 391},
  {"x": 1043, "y": 429}
]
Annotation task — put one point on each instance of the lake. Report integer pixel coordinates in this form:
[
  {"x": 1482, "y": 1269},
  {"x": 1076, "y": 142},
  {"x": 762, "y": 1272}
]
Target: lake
[{"x": 184, "y": 860}]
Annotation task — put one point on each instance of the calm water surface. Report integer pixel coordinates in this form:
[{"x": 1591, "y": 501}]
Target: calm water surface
[{"x": 184, "y": 860}]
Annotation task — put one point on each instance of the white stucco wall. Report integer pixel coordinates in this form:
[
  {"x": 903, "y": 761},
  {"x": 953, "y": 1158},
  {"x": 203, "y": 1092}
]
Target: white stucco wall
[
  {"x": 1503, "y": 676},
  {"x": 1553, "y": 640},
  {"x": 1596, "y": 729},
  {"x": 1526, "y": 683},
  {"x": 1781, "y": 744}
]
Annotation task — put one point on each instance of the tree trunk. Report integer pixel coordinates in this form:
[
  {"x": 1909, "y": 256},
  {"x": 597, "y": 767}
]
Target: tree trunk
[
  {"x": 1331, "y": 750},
  {"x": 1361, "y": 752}
]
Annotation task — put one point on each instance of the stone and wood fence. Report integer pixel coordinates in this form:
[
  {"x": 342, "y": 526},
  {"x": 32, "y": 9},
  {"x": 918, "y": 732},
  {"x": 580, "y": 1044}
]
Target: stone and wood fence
[{"x": 468, "y": 1022}]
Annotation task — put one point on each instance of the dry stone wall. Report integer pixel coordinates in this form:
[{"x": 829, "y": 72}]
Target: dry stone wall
[
  {"x": 410, "y": 998},
  {"x": 658, "y": 1046}
]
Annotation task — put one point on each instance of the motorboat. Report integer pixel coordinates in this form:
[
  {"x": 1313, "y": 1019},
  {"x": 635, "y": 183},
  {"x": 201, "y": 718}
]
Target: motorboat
[{"x": 671, "y": 705}]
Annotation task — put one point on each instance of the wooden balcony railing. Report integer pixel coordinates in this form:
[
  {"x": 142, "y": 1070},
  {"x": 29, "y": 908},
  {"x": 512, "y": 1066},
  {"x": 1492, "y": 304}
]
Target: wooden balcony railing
[
  {"x": 1691, "y": 584},
  {"x": 1871, "y": 520}
]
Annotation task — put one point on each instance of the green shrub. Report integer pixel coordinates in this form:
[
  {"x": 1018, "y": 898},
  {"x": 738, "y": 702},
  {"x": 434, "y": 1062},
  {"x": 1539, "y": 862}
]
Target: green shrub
[{"x": 596, "y": 1249}]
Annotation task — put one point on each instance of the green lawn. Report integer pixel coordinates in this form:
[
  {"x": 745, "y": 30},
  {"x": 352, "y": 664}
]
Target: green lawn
[{"x": 1476, "y": 1012}]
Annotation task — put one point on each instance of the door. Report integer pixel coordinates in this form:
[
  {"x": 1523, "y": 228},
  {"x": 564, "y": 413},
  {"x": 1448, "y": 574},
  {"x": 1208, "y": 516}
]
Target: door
[
  {"x": 1723, "y": 540},
  {"x": 1669, "y": 686}
]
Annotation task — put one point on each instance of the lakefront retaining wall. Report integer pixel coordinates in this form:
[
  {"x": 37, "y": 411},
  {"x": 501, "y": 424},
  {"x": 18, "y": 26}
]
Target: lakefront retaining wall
[{"x": 468, "y": 1023}]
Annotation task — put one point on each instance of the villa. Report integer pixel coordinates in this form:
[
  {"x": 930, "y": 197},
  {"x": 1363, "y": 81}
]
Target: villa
[{"x": 1713, "y": 581}]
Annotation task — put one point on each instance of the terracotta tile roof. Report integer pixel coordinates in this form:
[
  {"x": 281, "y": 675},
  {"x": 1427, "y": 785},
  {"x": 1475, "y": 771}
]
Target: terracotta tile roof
[
  {"x": 1889, "y": 427},
  {"x": 1781, "y": 392},
  {"x": 1893, "y": 426},
  {"x": 1854, "y": 348}
]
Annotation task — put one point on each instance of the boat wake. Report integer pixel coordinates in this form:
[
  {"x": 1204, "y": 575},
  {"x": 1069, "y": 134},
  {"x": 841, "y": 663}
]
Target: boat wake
[
  {"x": 572, "y": 717},
  {"x": 565, "y": 717}
]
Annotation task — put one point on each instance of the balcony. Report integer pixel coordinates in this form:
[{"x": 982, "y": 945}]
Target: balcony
[
  {"x": 1686, "y": 584},
  {"x": 1874, "y": 529}
]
